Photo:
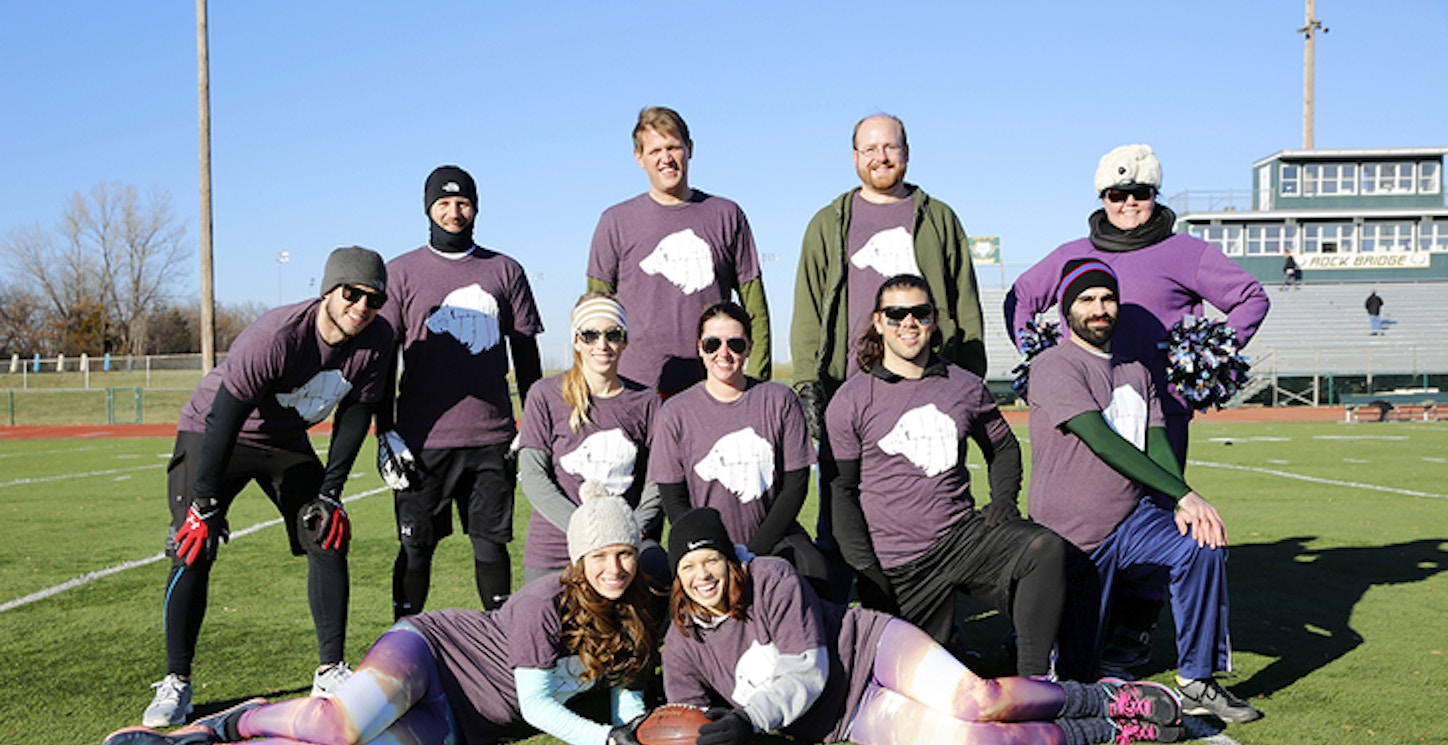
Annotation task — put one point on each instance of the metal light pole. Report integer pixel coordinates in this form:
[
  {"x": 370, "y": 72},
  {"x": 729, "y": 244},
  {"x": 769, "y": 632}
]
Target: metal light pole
[
  {"x": 282, "y": 258},
  {"x": 203, "y": 98},
  {"x": 1310, "y": 29}
]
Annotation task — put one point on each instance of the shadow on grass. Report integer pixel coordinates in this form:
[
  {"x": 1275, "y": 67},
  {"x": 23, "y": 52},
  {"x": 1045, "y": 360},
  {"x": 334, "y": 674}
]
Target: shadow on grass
[{"x": 1294, "y": 603}]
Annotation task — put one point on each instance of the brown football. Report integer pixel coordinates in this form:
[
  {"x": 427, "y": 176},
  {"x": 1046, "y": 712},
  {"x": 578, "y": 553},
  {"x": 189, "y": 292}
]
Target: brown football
[{"x": 671, "y": 724}]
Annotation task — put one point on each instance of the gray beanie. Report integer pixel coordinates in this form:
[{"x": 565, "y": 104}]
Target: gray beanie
[
  {"x": 600, "y": 521},
  {"x": 1128, "y": 165},
  {"x": 355, "y": 265}
]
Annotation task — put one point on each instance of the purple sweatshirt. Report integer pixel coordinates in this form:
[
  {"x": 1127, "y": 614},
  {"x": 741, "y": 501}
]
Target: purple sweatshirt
[{"x": 1159, "y": 284}]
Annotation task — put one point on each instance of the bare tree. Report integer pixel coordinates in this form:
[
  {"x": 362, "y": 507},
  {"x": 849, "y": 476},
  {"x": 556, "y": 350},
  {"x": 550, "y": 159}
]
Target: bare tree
[
  {"x": 115, "y": 248},
  {"x": 23, "y": 322}
]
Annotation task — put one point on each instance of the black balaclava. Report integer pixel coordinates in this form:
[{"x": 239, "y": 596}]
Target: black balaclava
[{"x": 449, "y": 181}]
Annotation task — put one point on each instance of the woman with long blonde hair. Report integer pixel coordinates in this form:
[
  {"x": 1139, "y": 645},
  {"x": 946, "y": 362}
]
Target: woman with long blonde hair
[{"x": 587, "y": 424}]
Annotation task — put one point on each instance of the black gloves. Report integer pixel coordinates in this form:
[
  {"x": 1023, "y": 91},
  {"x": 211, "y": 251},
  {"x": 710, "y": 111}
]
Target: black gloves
[
  {"x": 728, "y": 727},
  {"x": 1000, "y": 511},
  {"x": 812, "y": 398},
  {"x": 624, "y": 734},
  {"x": 875, "y": 591}
]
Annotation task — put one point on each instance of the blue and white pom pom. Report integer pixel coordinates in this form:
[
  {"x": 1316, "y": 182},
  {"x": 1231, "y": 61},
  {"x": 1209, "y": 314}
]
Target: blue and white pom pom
[
  {"x": 1203, "y": 362},
  {"x": 1033, "y": 340}
]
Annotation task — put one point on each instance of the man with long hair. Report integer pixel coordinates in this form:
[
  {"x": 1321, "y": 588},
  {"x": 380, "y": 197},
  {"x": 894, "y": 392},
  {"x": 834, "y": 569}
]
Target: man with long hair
[{"x": 906, "y": 519}]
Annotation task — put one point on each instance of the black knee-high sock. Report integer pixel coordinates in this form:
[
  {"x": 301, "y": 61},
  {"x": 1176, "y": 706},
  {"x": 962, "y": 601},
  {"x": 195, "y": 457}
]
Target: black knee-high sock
[
  {"x": 1082, "y": 700},
  {"x": 1040, "y": 597},
  {"x": 328, "y": 591},
  {"x": 411, "y": 577},
  {"x": 184, "y": 609},
  {"x": 495, "y": 581}
]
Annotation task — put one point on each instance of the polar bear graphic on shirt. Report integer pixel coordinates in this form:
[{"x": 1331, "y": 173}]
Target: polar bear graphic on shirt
[
  {"x": 606, "y": 457},
  {"x": 761, "y": 667},
  {"x": 684, "y": 259},
  {"x": 470, "y": 315},
  {"x": 927, "y": 438},
  {"x": 316, "y": 398},
  {"x": 1127, "y": 414},
  {"x": 889, "y": 252},
  {"x": 742, "y": 462}
]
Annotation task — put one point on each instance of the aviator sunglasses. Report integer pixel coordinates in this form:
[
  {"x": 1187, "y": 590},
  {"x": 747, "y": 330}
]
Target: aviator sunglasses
[
  {"x": 736, "y": 344},
  {"x": 614, "y": 335},
  {"x": 375, "y": 300},
  {"x": 1142, "y": 194},
  {"x": 894, "y": 314}
]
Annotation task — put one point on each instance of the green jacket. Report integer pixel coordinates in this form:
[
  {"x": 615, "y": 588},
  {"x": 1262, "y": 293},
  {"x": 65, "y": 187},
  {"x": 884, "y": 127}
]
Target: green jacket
[{"x": 819, "y": 330}]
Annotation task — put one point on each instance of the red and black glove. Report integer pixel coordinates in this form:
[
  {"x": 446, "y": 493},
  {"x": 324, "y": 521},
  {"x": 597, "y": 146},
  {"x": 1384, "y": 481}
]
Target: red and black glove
[
  {"x": 326, "y": 520},
  {"x": 202, "y": 531},
  {"x": 728, "y": 727}
]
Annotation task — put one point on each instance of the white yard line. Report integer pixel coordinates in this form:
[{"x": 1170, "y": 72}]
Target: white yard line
[
  {"x": 1316, "y": 480},
  {"x": 87, "y": 474},
  {"x": 90, "y": 577}
]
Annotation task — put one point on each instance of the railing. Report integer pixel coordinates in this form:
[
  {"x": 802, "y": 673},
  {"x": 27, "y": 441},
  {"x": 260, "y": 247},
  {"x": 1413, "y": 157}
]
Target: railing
[{"x": 1230, "y": 200}]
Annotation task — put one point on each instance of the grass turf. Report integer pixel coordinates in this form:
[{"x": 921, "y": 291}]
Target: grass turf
[{"x": 1339, "y": 595}]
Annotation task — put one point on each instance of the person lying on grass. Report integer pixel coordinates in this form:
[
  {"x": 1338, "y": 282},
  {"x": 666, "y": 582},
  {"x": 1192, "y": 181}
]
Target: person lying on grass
[
  {"x": 754, "y": 633},
  {"x": 474, "y": 676}
]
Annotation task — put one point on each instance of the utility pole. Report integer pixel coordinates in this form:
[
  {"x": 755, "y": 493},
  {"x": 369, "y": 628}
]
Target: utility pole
[
  {"x": 1310, "y": 30},
  {"x": 203, "y": 98}
]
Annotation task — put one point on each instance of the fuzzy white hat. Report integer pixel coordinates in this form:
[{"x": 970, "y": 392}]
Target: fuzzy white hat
[
  {"x": 601, "y": 520},
  {"x": 1128, "y": 165}
]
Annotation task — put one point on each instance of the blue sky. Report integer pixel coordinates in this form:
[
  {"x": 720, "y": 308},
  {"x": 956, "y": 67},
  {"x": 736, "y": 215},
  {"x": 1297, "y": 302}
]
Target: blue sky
[{"x": 327, "y": 116}]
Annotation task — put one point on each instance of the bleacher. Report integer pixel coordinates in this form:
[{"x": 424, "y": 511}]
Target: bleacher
[{"x": 1319, "y": 329}]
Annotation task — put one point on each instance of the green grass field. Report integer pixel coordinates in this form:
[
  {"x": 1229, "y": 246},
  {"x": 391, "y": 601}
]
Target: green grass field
[{"x": 1340, "y": 600}]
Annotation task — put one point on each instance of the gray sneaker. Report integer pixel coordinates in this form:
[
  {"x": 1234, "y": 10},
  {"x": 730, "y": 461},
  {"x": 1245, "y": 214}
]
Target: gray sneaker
[
  {"x": 1207, "y": 696},
  {"x": 171, "y": 704},
  {"x": 329, "y": 678}
]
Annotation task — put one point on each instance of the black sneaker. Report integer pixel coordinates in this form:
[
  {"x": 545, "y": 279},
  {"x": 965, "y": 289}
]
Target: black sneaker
[{"x": 1207, "y": 696}]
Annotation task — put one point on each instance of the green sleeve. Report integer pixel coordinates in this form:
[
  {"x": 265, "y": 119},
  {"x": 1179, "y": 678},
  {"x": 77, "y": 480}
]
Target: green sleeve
[
  {"x": 1158, "y": 448},
  {"x": 1123, "y": 457},
  {"x": 597, "y": 285},
  {"x": 761, "y": 360},
  {"x": 967, "y": 303},
  {"x": 806, "y": 332}
]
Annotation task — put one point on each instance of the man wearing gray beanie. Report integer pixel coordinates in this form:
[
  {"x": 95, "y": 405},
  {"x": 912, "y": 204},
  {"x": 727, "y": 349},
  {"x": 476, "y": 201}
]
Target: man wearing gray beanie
[
  {"x": 247, "y": 421},
  {"x": 459, "y": 310}
]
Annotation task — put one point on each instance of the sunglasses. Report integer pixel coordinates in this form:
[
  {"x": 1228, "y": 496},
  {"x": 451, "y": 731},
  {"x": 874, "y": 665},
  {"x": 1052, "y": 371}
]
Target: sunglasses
[
  {"x": 894, "y": 314},
  {"x": 614, "y": 335},
  {"x": 1142, "y": 194},
  {"x": 711, "y": 344},
  {"x": 375, "y": 300}
]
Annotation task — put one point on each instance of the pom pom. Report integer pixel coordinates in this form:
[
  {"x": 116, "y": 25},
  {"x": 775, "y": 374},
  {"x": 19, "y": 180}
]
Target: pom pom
[
  {"x": 1203, "y": 362},
  {"x": 1033, "y": 339},
  {"x": 591, "y": 490}
]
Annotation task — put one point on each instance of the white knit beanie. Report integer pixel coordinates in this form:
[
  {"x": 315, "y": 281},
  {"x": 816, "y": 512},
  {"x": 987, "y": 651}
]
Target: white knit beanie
[
  {"x": 600, "y": 521},
  {"x": 1126, "y": 166}
]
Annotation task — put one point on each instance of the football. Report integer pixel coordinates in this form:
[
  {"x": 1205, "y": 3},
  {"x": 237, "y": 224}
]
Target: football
[{"x": 671, "y": 724}]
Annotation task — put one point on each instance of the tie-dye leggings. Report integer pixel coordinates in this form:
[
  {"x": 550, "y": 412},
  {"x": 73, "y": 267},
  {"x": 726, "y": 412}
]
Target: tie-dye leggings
[
  {"x": 394, "y": 698},
  {"x": 921, "y": 693}
]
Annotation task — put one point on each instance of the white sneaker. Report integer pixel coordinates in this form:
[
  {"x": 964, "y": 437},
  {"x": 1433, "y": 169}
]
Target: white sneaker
[
  {"x": 329, "y": 678},
  {"x": 171, "y": 705}
]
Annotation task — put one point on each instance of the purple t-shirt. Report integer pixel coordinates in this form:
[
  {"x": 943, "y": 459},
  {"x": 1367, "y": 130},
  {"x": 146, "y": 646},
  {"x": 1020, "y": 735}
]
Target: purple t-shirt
[
  {"x": 1159, "y": 285},
  {"x": 731, "y": 456},
  {"x": 477, "y": 651},
  {"x": 668, "y": 263},
  {"x": 294, "y": 379},
  {"x": 452, "y": 316},
  {"x": 1073, "y": 491},
  {"x": 881, "y": 244},
  {"x": 910, "y": 437},
  {"x": 607, "y": 450},
  {"x": 786, "y": 618}
]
